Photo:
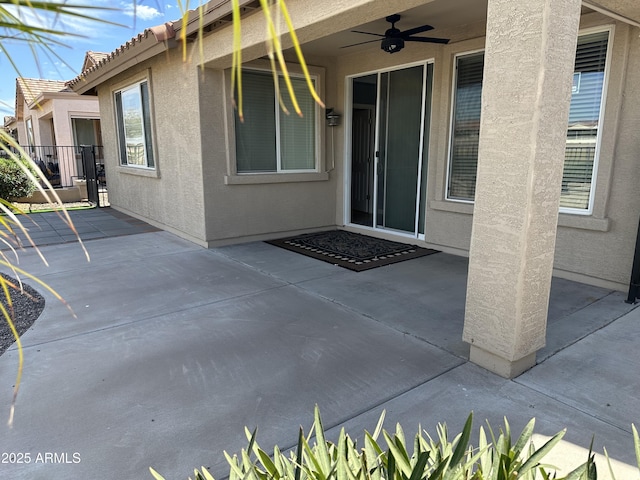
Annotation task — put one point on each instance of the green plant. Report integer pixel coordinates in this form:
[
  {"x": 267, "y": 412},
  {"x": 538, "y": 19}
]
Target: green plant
[
  {"x": 14, "y": 183},
  {"x": 423, "y": 458}
]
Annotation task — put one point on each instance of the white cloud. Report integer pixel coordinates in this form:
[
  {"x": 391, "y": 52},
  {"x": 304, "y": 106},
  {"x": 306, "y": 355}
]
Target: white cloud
[
  {"x": 61, "y": 23},
  {"x": 143, "y": 12}
]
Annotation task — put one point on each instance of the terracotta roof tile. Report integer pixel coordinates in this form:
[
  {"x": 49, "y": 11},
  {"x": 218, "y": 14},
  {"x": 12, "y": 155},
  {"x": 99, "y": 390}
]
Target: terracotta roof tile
[
  {"x": 31, "y": 88},
  {"x": 160, "y": 33},
  {"x": 97, "y": 56}
]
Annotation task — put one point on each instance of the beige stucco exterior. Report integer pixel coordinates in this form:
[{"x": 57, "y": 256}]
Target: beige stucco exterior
[
  {"x": 188, "y": 190},
  {"x": 195, "y": 191},
  {"x": 49, "y": 107},
  {"x": 52, "y": 115}
]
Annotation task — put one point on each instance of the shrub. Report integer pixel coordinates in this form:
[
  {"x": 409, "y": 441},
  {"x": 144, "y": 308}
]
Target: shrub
[
  {"x": 14, "y": 183},
  {"x": 496, "y": 457}
]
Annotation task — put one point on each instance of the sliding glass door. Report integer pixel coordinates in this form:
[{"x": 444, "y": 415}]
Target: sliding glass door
[{"x": 388, "y": 160}]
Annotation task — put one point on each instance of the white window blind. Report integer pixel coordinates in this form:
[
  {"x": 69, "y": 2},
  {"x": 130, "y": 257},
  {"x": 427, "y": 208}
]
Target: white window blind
[
  {"x": 584, "y": 119},
  {"x": 269, "y": 140},
  {"x": 466, "y": 127},
  {"x": 582, "y": 131},
  {"x": 256, "y": 135},
  {"x": 297, "y": 135}
]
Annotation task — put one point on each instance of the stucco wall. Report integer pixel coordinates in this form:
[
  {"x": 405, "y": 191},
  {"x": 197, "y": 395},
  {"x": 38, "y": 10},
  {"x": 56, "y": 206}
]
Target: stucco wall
[
  {"x": 65, "y": 110},
  {"x": 195, "y": 192},
  {"x": 609, "y": 254},
  {"x": 448, "y": 224},
  {"x": 170, "y": 196},
  {"x": 597, "y": 248},
  {"x": 60, "y": 108},
  {"x": 188, "y": 193},
  {"x": 269, "y": 205}
]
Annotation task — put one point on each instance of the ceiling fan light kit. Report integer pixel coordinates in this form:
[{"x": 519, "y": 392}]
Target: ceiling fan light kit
[
  {"x": 392, "y": 45},
  {"x": 393, "y": 39}
]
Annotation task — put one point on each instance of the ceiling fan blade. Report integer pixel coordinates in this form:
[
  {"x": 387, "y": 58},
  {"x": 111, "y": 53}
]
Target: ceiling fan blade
[
  {"x": 361, "y": 43},
  {"x": 427, "y": 40},
  {"x": 413, "y": 31},
  {"x": 367, "y": 33}
]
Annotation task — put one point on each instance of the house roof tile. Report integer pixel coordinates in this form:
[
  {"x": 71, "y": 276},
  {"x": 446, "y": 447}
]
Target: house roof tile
[
  {"x": 32, "y": 88},
  {"x": 215, "y": 13},
  {"x": 95, "y": 60}
]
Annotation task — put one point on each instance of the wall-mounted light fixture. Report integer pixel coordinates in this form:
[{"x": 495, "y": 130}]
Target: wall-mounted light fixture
[{"x": 333, "y": 118}]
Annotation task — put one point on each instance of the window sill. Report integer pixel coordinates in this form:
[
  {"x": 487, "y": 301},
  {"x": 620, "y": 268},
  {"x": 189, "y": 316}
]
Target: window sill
[
  {"x": 139, "y": 171},
  {"x": 582, "y": 222},
  {"x": 261, "y": 178},
  {"x": 449, "y": 206}
]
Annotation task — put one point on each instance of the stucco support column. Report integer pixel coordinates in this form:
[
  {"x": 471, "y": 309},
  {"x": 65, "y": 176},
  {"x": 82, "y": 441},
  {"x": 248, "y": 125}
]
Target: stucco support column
[{"x": 529, "y": 62}]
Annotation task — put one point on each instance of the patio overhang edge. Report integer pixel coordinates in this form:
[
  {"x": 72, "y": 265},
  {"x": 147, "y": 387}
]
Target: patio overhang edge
[{"x": 610, "y": 13}]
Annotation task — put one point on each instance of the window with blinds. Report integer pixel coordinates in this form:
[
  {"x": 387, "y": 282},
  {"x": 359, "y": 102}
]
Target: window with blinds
[
  {"x": 582, "y": 131},
  {"x": 584, "y": 119},
  {"x": 466, "y": 127},
  {"x": 270, "y": 140}
]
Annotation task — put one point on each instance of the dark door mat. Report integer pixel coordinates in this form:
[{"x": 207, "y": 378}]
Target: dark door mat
[{"x": 351, "y": 250}]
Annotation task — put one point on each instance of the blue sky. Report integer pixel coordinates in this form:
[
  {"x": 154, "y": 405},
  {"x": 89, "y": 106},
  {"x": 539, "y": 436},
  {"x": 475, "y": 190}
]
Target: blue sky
[{"x": 95, "y": 36}]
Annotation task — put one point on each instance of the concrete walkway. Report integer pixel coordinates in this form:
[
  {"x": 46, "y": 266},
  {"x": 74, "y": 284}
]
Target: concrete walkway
[
  {"x": 50, "y": 228},
  {"x": 176, "y": 349}
]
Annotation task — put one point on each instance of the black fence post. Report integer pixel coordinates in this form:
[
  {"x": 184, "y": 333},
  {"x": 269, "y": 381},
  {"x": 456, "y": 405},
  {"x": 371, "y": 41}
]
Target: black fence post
[
  {"x": 634, "y": 285},
  {"x": 90, "y": 174}
]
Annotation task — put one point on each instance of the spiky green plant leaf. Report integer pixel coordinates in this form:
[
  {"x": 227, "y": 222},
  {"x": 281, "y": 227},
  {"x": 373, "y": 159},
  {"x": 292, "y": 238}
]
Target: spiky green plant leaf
[
  {"x": 524, "y": 438},
  {"x": 418, "y": 469},
  {"x": 463, "y": 441},
  {"x": 440, "y": 468},
  {"x": 636, "y": 443},
  {"x": 155, "y": 474},
  {"x": 399, "y": 454},
  {"x": 534, "y": 459}
]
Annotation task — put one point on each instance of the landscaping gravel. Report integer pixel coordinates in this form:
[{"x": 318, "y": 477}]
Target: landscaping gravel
[{"x": 27, "y": 307}]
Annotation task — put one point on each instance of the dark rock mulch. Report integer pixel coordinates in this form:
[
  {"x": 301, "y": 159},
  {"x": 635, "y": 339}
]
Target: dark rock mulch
[{"x": 27, "y": 307}]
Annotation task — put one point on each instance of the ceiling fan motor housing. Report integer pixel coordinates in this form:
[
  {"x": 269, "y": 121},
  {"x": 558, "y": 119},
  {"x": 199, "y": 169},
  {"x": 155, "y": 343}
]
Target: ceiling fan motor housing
[
  {"x": 392, "y": 44},
  {"x": 394, "y": 38}
]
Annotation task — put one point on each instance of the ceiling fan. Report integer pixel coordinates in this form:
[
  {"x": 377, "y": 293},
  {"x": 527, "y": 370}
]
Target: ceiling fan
[{"x": 393, "y": 39}]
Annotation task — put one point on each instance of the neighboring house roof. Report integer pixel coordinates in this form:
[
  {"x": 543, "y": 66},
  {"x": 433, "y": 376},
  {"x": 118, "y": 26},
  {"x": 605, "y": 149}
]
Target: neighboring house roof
[
  {"x": 32, "y": 88},
  {"x": 8, "y": 120},
  {"x": 91, "y": 59},
  {"x": 33, "y": 91}
]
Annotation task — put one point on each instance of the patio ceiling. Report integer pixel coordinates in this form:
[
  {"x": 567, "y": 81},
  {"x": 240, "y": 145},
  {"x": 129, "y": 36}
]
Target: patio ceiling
[
  {"x": 627, "y": 10},
  {"x": 448, "y": 17},
  {"x": 457, "y": 20}
]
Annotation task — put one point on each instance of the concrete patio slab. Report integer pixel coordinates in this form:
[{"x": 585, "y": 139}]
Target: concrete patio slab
[
  {"x": 50, "y": 228},
  {"x": 170, "y": 388},
  {"x": 600, "y": 375},
  {"x": 451, "y": 397},
  {"x": 177, "y": 348}
]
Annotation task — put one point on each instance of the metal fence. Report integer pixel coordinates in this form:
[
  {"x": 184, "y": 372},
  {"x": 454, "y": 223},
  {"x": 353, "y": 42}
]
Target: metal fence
[{"x": 62, "y": 164}]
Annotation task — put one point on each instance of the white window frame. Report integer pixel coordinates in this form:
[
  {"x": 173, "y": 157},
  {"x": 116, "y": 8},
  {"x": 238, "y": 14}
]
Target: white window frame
[
  {"x": 565, "y": 210},
  {"x": 147, "y": 142},
  {"x": 30, "y": 132},
  {"x": 317, "y": 78},
  {"x": 605, "y": 87},
  {"x": 454, "y": 80}
]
